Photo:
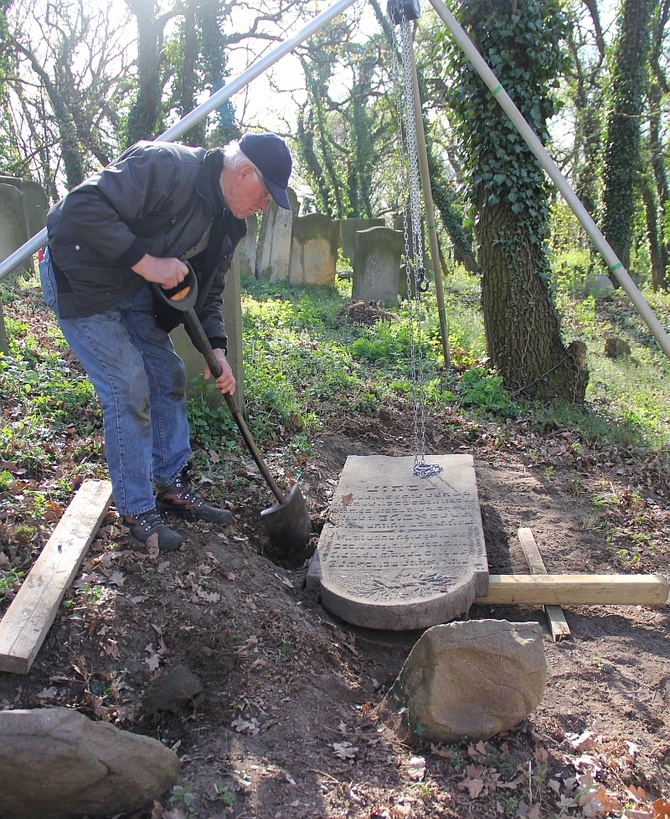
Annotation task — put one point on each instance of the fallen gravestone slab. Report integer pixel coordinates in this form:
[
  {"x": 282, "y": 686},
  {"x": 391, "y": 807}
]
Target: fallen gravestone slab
[
  {"x": 56, "y": 764},
  {"x": 401, "y": 552},
  {"x": 470, "y": 680}
]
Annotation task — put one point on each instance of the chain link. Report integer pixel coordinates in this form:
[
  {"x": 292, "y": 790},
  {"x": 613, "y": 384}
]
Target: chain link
[{"x": 412, "y": 233}]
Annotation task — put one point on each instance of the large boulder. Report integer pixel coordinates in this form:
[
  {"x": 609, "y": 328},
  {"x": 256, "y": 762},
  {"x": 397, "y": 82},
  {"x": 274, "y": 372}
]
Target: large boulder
[
  {"x": 470, "y": 680},
  {"x": 56, "y": 763}
]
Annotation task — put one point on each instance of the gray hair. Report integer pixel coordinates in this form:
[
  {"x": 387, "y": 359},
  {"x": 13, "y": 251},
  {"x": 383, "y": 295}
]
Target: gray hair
[{"x": 234, "y": 157}]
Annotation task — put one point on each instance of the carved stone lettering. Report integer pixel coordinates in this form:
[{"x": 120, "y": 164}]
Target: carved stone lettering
[{"x": 402, "y": 552}]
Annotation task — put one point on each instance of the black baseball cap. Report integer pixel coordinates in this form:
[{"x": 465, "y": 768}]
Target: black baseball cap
[{"x": 270, "y": 155}]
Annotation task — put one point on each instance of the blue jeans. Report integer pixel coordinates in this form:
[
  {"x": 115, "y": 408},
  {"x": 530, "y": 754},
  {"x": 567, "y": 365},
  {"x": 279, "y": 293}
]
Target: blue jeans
[{"x": 141, "y": 383}]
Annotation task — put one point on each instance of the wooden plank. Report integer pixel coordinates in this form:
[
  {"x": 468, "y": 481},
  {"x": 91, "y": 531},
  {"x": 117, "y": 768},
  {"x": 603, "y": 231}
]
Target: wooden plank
[
  {"x": 577, "y": 589},
  {"x": 31, "y": 613},
  {"x": 558, "y": 625}
]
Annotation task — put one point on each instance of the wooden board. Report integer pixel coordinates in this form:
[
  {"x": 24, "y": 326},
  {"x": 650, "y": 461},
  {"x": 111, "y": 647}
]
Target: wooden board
[
  {"x": 558, "y": 625},
  {"x": 577, "y": 589},
  {"x": 29, "y": 617}
]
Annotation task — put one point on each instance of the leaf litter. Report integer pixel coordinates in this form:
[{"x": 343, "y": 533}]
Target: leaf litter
[{"x": 290, "y": 720}]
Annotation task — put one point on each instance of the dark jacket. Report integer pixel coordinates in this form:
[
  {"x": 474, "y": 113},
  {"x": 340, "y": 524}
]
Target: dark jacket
[{"x": 157, "y": 198}]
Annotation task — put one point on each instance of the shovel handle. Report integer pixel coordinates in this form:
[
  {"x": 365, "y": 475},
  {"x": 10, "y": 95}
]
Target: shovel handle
[{"x": 213, "y": 363}]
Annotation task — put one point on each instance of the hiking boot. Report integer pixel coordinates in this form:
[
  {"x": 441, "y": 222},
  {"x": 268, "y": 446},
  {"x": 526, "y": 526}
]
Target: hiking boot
[
  {"x": 143, "y": 526},
  {"x": 180, "y": 499}
]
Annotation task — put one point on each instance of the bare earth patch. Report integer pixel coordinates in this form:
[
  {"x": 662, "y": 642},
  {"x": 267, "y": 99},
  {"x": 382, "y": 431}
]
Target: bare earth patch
[{"x": 287, "y": 722}]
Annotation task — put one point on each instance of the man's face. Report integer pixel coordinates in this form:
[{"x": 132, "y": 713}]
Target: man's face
[{"x": 246, "y": 193}]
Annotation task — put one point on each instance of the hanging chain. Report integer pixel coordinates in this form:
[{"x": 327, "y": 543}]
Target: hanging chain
[{"x": 414, "y": 264}]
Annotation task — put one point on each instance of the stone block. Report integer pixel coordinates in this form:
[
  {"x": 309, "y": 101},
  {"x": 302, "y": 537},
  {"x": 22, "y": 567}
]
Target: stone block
[
  {"x": 377, "y": 258},
  {"x": 314, "y": 250},
  {"x": 348, "y": 230},
  {"x": 57, "y": 763},
  {"x": 273, "y": 251},
  {"x": 401, "y": 552},
  {"x": 471, "y": 680}
]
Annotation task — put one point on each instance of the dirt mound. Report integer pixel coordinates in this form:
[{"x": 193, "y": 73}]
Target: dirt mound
[{"x": 364, "y": 313}]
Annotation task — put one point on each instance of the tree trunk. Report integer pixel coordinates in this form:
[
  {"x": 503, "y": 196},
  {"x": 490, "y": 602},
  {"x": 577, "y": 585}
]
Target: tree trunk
[
  {"x": 522, "y": 326},
  {"x": 144, "y": 119},
  {"x": 657, "y": 253},
  {"x": 622, "y": 149}
]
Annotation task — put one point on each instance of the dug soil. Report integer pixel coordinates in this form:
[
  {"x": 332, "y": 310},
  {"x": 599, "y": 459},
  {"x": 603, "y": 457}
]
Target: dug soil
[{"x": 285, "y": 719}]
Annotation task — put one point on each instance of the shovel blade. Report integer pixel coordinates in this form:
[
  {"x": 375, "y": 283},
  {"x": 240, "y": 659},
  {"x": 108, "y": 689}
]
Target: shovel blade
[{"x": 289, "y": 527}]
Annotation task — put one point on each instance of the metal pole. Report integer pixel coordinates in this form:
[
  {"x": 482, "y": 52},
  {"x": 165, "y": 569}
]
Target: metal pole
[
  {"x": 175, "y": 131},
  {"x": 430, "y": 214},
  {"x": 613, "y": 262}
]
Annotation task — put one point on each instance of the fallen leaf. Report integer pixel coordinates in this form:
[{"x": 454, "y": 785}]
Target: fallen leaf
[
  {"x": 473, "y": 786},
  {"x": 152, "y": 547},
  {"x": 661, "y": 808},
  {"x": 345, "y": 750},
  {"x": 117, "y": 579},
  {"x": 401, "y": 812},
  {"x": 597, "y": 802},
  {"x": 209, "y": 597},
  {"x": 416, "y": 768},
  {"x": 583, "y": 742},
  {"x": 111, "y": 649},
  {"x": 153, "y": 660},
  {"x": 246, "y": 726}
]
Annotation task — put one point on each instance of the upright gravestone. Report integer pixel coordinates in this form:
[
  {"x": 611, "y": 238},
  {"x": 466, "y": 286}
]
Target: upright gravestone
[
  {"x": 348, "y": 230},
  {"x": 13, "y": 233},
  {"x": 273, "y": 252},
  {"x": 246, "y": 250},
  {"x": 376, "y": 265},
  {"x": 13, "y": 224},
  {"x": 232, "y": 319},
  {"x": 35, "y": 206},
  {"x": 314, "y": 250}
]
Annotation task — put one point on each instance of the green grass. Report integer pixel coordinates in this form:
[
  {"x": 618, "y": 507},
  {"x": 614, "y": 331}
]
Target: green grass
[{"x": 306, "y": 364}]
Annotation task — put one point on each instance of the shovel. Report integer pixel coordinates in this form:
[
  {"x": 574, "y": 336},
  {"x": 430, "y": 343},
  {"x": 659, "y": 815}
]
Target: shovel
[{"x": 287, "y": 522}]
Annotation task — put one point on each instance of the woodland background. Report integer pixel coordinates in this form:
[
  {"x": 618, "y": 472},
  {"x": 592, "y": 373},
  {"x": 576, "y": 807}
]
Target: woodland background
[{"x": 79, "y": 82}]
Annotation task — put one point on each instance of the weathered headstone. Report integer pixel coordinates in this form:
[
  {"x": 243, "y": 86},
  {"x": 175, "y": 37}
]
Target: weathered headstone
[
  {"x": 35, "y": 205},
  {"x": 273, "y": 251},
  {"x": 246, "y": 250},
  {"x": 56, "y": 763},
  {"x": 470, "y": 680},
  {"x": 401, "y": 552},
  {"x": 314, "y": 250},
  {"x": 348, "y": 230},
  {"x": 598, "y": 286},
  {"x": 13, "y": 232},
  {"x": 376, "y": 265},
  {"x": 13, "y": 225},
  {"x": 616, "y": 347},
  {"x": 232, "y": 319}
]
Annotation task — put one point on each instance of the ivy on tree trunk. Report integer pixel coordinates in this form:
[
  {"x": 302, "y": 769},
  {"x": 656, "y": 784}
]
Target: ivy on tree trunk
[
  {"x": 509, "y": 192},
  {"x": 622, "y": 148}
]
